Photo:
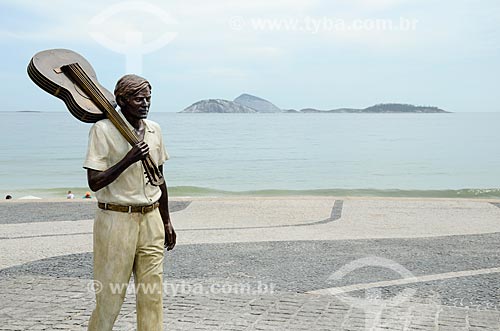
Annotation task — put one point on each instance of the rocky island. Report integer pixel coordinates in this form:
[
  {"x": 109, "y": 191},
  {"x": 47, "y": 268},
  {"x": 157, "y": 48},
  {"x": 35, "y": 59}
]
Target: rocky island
[
  {"x": 247, "y": 103},
  {"x": 217, "y": 106}
]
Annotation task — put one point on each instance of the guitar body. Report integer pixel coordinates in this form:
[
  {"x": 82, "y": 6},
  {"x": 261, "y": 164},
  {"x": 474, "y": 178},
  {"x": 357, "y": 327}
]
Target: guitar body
[{"x": 45, "y": 71}]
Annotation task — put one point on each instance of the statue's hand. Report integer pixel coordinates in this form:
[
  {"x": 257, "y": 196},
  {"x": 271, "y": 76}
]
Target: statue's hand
[
  {"x": 138, "y": 152},
  {"x": 170, "y": 236}
]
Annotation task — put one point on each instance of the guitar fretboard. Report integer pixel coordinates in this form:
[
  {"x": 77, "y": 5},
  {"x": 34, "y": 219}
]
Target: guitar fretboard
[
  {"x": 75, "y": 71},
  {"x": 78, "y": 75}
]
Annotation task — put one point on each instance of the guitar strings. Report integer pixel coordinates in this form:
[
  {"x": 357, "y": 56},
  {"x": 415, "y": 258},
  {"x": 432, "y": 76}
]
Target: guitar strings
[
  {"x": 115, "y": 117},
  {"x": 153, "y": 173},
  {"x": 149, "y": 162}
]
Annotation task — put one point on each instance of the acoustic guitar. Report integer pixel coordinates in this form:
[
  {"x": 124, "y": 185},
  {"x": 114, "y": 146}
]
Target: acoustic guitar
[{"x": 70, "y": 77}]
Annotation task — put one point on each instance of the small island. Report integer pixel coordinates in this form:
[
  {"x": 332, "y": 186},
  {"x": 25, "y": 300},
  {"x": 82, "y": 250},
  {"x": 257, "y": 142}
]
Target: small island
[{"x": 247, "y": 103}]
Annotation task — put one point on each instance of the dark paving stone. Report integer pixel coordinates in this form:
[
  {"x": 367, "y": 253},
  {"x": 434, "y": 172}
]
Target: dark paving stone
[{"x": 306, "y": 265}]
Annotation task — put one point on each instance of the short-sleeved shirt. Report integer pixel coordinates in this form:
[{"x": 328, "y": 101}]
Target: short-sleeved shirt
[{"x": 107, "y": 147}]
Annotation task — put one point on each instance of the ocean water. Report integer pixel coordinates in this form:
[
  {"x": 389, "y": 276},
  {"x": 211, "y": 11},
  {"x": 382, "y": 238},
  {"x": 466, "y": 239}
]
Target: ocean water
[{"x": 438, "y": 155}]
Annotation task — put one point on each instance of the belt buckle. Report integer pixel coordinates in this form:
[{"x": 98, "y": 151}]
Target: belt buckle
[
  {"x": 143, "y": 209},
  {"x": 129, "y": 209}
]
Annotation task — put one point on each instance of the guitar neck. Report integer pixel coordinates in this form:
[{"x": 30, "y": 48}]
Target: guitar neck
[
  {"x": 75, "y": 72},
  {"x": 78, "y": 75}
]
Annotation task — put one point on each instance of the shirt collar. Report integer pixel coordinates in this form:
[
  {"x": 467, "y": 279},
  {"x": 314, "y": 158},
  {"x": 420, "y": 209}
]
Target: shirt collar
[{"x": 148, "y": 127}]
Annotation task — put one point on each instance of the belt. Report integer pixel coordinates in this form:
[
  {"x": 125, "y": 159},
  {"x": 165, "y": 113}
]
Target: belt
[{"x": 128, "y": 209}]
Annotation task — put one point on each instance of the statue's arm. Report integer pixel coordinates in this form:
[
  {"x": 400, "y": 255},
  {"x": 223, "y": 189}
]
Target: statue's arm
[
  {"x": 99, "y": 179},
  {"x": 170, "y": 235}
]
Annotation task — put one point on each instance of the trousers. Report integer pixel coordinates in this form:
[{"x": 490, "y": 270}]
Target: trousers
[{"x": 126, "y": 243}]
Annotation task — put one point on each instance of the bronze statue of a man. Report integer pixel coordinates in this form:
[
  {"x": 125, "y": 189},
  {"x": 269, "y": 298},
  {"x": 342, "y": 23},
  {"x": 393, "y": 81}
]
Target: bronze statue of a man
[{"x": 132, "y": 224}]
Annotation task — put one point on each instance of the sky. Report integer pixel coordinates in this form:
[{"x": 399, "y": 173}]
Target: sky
[{"x": 297, "y": 53}]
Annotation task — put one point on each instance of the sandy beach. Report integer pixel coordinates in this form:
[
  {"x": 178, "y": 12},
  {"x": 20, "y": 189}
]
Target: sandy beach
[{"x": 444, "y": 250}]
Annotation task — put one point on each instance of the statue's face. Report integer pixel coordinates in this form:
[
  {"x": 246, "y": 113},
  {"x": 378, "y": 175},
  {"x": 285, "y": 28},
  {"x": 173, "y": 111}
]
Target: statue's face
[{"x": 137, "y": 105}]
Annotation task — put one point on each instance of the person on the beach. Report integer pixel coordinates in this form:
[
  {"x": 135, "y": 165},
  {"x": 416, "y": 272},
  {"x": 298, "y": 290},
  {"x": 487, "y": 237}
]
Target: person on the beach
[
  {"x": 87, "y": 196},
  {"x": 132, "y": 224},
  {"x": 70, "y": 195}
]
